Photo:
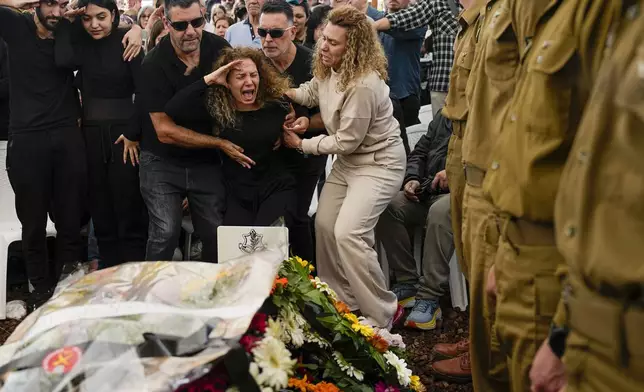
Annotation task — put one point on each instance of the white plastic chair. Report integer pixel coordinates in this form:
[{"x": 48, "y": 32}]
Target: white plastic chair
[
  {"x": 10, "y": 227},
  {"x": 314, "y": 201}
]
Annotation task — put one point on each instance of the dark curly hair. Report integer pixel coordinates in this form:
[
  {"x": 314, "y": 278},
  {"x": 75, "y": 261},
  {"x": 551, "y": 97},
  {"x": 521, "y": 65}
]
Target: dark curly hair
[{"x": 272, "y": 85}]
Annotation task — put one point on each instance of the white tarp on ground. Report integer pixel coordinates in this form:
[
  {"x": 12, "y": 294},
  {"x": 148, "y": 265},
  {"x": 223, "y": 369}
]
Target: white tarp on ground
[{"x": 94, "y": 328}]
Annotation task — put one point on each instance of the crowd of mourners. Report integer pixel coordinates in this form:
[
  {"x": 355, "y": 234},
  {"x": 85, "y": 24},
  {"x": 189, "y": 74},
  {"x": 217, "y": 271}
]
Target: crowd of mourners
[{"x": 531, "y": 173}]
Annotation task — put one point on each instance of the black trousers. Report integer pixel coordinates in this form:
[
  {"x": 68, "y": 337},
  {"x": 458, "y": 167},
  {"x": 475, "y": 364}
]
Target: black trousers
[
  {"x": 265, "y": 211},
  {"x": 119, "y": 214},
  {"x": 164, "y": 184},
  {"x": 410, "y": 109},
  {"x": 46, "y": 166},
  {"x": 307, "y": 171},
  {"x": 400, "y": 116}
]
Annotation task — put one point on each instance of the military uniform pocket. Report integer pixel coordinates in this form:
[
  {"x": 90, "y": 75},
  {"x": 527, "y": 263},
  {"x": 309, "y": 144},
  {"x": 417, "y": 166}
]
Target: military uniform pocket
[
  {"x": 463, "y": 66},
  {"x": 575, "y": 359},
  {"x": 529, "y": 290},
  {"x": 549, "y": 86},
  {"x": 502, "y": 51}
]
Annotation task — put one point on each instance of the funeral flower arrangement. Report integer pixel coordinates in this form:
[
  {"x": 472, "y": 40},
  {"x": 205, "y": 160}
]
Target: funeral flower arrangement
[{"x": 309, "y": 341}]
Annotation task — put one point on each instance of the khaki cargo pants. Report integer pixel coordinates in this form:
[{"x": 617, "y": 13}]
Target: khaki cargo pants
[
  {"x": 605, "y": 348},
  {"x": 456, "y": 179},
  {"x": 480, "y": 238},
  {"x": 528, "y": 293}
]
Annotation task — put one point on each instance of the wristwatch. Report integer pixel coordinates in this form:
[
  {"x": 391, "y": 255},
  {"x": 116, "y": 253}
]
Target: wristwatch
[{"x": 557, "y": 339}]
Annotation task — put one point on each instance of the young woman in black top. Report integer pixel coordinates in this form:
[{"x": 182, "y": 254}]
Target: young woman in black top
[
  {"x": 246, "y": 103},
  {"x": 111, "y": 126}
]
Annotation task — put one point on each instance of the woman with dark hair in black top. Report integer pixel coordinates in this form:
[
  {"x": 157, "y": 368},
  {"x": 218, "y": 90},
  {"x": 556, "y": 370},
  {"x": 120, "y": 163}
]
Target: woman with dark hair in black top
[
  {"x": 244, "y": 96},
  {"x": 111, "y": 126}
]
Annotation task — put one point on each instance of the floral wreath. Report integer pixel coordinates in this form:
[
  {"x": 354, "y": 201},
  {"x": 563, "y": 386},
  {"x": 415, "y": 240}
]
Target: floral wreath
[{"x": 309, "y": 341}]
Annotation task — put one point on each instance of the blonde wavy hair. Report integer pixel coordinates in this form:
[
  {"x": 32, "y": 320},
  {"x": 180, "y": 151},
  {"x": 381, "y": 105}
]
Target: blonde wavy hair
[
  {"x": 272, "y": 86},
  {"x": 363, "y": 52}
]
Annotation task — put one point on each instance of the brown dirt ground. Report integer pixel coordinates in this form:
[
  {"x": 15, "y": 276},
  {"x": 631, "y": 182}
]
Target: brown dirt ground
[{"x": 419, "y": 349}]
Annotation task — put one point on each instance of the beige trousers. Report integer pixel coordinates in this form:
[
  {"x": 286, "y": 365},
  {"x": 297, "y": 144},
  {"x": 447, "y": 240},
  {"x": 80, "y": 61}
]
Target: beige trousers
[{"x": 353, "y": 197}]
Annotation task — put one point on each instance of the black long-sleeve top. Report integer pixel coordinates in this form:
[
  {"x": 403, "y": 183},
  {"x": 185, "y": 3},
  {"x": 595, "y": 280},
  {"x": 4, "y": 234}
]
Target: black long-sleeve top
[
  {"x": 42, "y": 95},
  {"x": 107, "y": 83},
  {"x": 256, "y": 132},
  {"x": 4, "y": 91}
]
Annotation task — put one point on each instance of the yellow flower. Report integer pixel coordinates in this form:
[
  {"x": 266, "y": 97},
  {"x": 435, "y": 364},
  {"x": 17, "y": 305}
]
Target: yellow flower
[
  {"x": 303, "y": 263},
  {"x": 311, "y": 268},
  {"x": 363, "y": 330},
  {"x": 351, "y": 317},
  {"x": 416, "y": 385}
]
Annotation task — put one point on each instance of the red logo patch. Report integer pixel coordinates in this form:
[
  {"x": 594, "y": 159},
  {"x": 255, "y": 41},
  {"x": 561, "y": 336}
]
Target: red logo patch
[{"x": 62, "y": 361}]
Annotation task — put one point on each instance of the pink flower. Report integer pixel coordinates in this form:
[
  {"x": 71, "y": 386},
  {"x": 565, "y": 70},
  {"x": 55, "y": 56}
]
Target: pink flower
[{"x": 382, "y": 387}]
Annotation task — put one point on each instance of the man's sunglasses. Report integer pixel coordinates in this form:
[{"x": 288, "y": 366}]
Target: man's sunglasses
[
  {"x": 296, "y": 2},
  {"x": 274, "y": 33},
  {"x": 183, "y": 26}
]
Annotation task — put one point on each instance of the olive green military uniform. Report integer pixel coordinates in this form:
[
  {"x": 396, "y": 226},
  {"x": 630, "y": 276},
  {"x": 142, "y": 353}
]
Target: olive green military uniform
[
  {"x": 599, "y": 220},
  {"x": 561, "y": 43},
  {"x": 456, "y": 110},
  {"x": 489, "y": 89}
]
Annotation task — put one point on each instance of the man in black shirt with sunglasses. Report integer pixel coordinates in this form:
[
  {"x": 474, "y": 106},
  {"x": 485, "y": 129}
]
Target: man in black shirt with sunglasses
[
  {"x": 277, "y": 32},
  {"x": 179, "y": 155}
]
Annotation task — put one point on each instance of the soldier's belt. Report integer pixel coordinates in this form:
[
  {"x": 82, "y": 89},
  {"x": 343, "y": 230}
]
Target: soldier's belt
[
  {"x": 524, "y": 232},
  {"x": 608, "y": 321},
  {"x": 474, "y": 176}
]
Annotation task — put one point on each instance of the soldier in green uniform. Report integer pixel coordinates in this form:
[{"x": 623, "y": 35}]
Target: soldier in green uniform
[
  {"x": 599, "y": 220},
  {"x": 561, "y": 45}
]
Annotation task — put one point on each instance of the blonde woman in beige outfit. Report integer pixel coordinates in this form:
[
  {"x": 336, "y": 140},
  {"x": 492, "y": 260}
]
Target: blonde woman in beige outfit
[{"x": 350, "y": 70}]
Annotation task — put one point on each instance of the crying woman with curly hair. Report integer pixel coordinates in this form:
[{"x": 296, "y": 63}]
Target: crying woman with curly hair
[{"x": 244, "y": 96}]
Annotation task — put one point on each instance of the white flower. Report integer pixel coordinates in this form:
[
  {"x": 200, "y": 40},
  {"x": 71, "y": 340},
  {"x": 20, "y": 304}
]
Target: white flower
[
  {"x": 291, "y": 321},
  {"x": 299, "y": 320},
  {"x": 275, "y": 329},
  {"x": 404, "y": 374},
  {"x": 297, "y": 337},
  {"x": 323, "y": 287},
  {"x": 275, "y": 362},
  {"x": 312, "y": 337},
  {"x": 394, "y": 340},
  {"x": 347, "y": 367}
]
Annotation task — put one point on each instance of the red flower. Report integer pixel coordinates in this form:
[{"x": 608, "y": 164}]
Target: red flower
[
  {"x": 279, "y": 282},
  {"x": 249, "y": 342},
  {"x": 259, "y": 323}
]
